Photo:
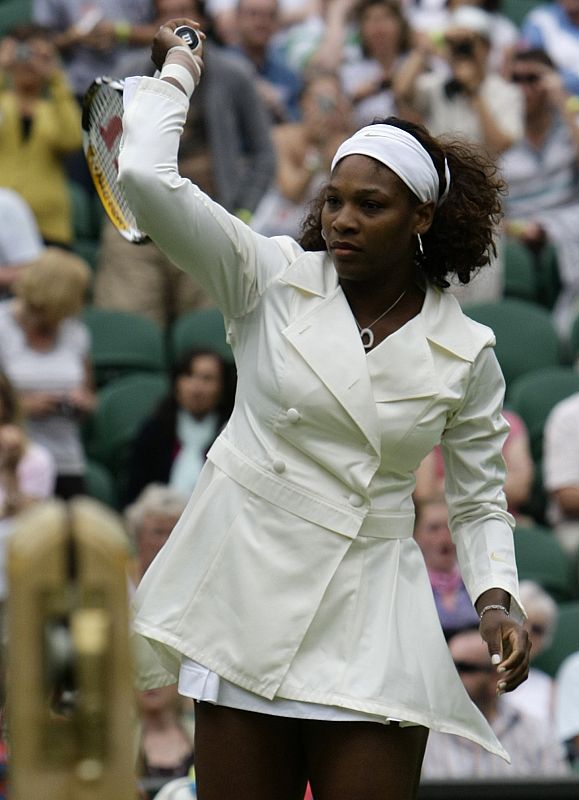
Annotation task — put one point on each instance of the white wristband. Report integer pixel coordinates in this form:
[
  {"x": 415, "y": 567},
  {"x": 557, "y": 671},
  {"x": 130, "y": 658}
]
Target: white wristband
[{"x": 181, "y": 74}]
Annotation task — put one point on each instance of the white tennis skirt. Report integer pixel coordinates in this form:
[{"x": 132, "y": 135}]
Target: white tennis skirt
[{"x": 200, "y": 683}]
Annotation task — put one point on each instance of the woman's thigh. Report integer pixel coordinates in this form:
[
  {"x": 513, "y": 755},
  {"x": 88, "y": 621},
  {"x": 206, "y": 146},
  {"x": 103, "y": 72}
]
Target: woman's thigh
[
  {"x": 241, "y": 755},
  {"x": 363, "y": 760}
]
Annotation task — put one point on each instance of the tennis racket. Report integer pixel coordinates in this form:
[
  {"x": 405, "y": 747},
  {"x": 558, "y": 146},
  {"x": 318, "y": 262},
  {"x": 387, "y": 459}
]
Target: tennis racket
[{"x": 102, "y": 128}]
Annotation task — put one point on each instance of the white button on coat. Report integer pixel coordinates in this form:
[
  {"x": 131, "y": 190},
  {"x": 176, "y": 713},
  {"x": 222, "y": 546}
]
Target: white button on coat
[
  {"x": 356, "y": 500},
  {"x": 279, "y": 466},
  {"x": 293, "y": 415}
]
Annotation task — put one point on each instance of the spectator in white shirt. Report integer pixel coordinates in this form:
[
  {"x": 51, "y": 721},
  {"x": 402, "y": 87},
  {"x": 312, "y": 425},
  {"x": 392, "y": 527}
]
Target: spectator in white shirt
[{"x": 534, "y": 750}]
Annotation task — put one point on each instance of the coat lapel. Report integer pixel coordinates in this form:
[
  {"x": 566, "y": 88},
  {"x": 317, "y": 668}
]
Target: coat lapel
[
  {"x": 402, "y": 366},
  {"x": 327, "y": 339}
]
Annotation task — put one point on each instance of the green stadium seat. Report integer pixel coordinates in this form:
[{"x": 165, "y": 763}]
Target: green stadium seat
[
  {"x": 517, "y": 10},
  {"x": 540, "y": 558},
  {"x": 201, "y": 328},
  {"x": 122, "y": 406},
  {"x": 100, "y": 484},
  {"x": 534, "y": 395},
  {"x": 520, "y": 271},
  {"x": 14, "y": 12},
  {"x": 574, "y": 341},
  {"x": 123, "y": 343},
  {"x": 526, "y": 337}
]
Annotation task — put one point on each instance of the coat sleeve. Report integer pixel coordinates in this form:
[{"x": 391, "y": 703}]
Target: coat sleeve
[
  {"x": 233, "y": 263},
  {"x": 475, "y": 473}
]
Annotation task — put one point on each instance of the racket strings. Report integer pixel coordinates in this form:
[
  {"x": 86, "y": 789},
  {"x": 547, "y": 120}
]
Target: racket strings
[{"x": 104, "y": 134}]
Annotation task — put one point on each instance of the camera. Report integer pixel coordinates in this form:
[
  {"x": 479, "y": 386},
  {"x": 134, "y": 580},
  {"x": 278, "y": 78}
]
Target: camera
[
  {"x": 463, "y": 48},
  {"x": 66, "y": 409}
]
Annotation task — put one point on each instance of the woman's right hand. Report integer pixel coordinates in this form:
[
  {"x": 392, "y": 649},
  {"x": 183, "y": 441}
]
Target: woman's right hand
[{"x": 165, "y": 39}]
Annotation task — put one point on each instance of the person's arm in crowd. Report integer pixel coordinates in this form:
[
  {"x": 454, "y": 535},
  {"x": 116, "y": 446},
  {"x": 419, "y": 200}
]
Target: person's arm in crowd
[
  {"x": 66, "y": 131},
  {"x": 406, "y": 76},
  {"x": 567, "y": 104},
  {"x": 83, "y": 399},
  {"x": 330, "y": 51},
  {"x": 568, "y": 500}
]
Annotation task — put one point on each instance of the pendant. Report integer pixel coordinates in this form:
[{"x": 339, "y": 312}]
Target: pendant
[{"x": 370, "y": 338}]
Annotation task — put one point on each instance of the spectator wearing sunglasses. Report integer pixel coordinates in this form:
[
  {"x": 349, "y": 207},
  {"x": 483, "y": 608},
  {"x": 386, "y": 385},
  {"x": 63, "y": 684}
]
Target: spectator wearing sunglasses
[
  {"x": 534, "y": 750},
  {"x": 537, "y": 696},
  {"x": 542, "y": 172}
]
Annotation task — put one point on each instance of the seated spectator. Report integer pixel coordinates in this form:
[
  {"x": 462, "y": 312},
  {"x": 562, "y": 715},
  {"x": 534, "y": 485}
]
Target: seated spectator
[
  {"x": 20, "y": 240},
  {"x": 150, "y": 520},
  {"x": 44, "y": 350},
  {"x": 554, "y": 27},
  {"x": 542, "y": 172},
  {"x": 536, "y": 696},
  {"x": 534, "y": 750},
  {"x": 166, "y": 723},
  {"x": 304, "y": 153},
  {"x": 567, "y": 706},
  {"x": 561, "y": 471},
  {"x": 384, "y": 39},
  {"x": 278, "y": 85},
  {"x": 229, "y": 155},
  {"x": 39, "y": 125},
  {"x": 172, "y": 443},
  {"x": 518, "y": 460},
  {"x": 432, "y": 534},
  {"x": 27, "y": 470},
  {"x": 92, "y": 36},
  {"x": 471, "y": 100}
]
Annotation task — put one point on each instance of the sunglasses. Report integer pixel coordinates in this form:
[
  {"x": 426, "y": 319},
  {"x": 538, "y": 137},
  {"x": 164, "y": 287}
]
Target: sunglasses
[
  {"x": 525, "y": 77},
  {"x": 469, "y": 667},
  {"x": 538, "y": 630}
]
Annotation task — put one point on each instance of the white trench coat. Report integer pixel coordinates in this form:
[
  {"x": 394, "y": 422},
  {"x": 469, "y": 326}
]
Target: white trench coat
[{"x": 293, "y": 571}]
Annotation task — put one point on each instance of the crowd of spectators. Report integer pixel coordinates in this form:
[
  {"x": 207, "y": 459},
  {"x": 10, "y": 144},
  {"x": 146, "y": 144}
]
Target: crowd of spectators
[{"x": 284, "y": 82}]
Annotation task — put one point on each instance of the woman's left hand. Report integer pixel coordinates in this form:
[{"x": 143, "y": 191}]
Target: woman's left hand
[{"x": 509, "y": 641}]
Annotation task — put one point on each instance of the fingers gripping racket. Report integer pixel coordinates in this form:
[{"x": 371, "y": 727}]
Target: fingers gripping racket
[{"x": 102, "y": 128}]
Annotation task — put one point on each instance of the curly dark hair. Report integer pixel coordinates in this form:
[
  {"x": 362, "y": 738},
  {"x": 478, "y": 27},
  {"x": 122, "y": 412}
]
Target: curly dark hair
[{"x": 461, "y": 238}]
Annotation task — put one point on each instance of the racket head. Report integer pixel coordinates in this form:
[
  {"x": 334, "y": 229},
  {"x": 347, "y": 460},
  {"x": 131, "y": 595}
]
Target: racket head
[{"x": 102, "y": 128}]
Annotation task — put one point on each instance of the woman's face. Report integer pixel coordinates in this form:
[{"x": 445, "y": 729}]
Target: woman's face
[
  {"x": 369, "y": 222},
  {"x": 380, "y": 29},
  {"x": 199, "y": 392},
  {"x": 433, "y": 537},
  {"x": 161, "y": 699},
  {"x": 39, "y": 320}
]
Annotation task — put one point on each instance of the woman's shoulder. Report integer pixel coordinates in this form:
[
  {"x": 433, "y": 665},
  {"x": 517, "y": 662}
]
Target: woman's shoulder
[{"x": 449, "y": 325}]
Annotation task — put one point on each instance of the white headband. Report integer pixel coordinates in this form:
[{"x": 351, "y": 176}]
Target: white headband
[{"x": 402, "y": 153}]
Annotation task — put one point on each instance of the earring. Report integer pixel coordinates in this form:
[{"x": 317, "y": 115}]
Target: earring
[
  {"x": 323, "y": 235},
  {"x": 420, "y": 245}
]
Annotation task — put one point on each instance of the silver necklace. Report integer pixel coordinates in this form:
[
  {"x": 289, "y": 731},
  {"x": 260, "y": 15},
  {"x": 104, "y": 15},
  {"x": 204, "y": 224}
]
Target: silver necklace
[{"x": 367, "y": 331}]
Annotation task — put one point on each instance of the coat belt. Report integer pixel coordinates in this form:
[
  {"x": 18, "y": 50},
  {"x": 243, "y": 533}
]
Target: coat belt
[{"x": 339, "y": 519}]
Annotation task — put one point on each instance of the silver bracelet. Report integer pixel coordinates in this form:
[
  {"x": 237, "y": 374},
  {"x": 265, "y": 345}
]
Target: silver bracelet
[{"x": 493, "y": 607}]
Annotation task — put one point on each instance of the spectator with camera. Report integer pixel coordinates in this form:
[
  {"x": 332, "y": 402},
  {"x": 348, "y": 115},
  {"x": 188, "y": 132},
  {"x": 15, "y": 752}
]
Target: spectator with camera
[
  {"x": 39, "y": 126},
  {"x": 304, "y": 152},
  {"x": 468, "y": 99},
  {"x": 44, "y": 350}
]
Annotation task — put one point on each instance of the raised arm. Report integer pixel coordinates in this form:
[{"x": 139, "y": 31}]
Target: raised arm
[{"x": 233, "y": 263}]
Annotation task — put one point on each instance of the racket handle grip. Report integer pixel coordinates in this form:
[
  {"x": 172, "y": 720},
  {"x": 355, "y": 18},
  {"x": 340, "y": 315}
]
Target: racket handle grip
[{"x": 189, "y": 36}]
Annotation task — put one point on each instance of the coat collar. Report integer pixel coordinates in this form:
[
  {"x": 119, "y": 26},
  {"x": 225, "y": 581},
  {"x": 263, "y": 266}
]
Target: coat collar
[{"x": 442, "y": 320}]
